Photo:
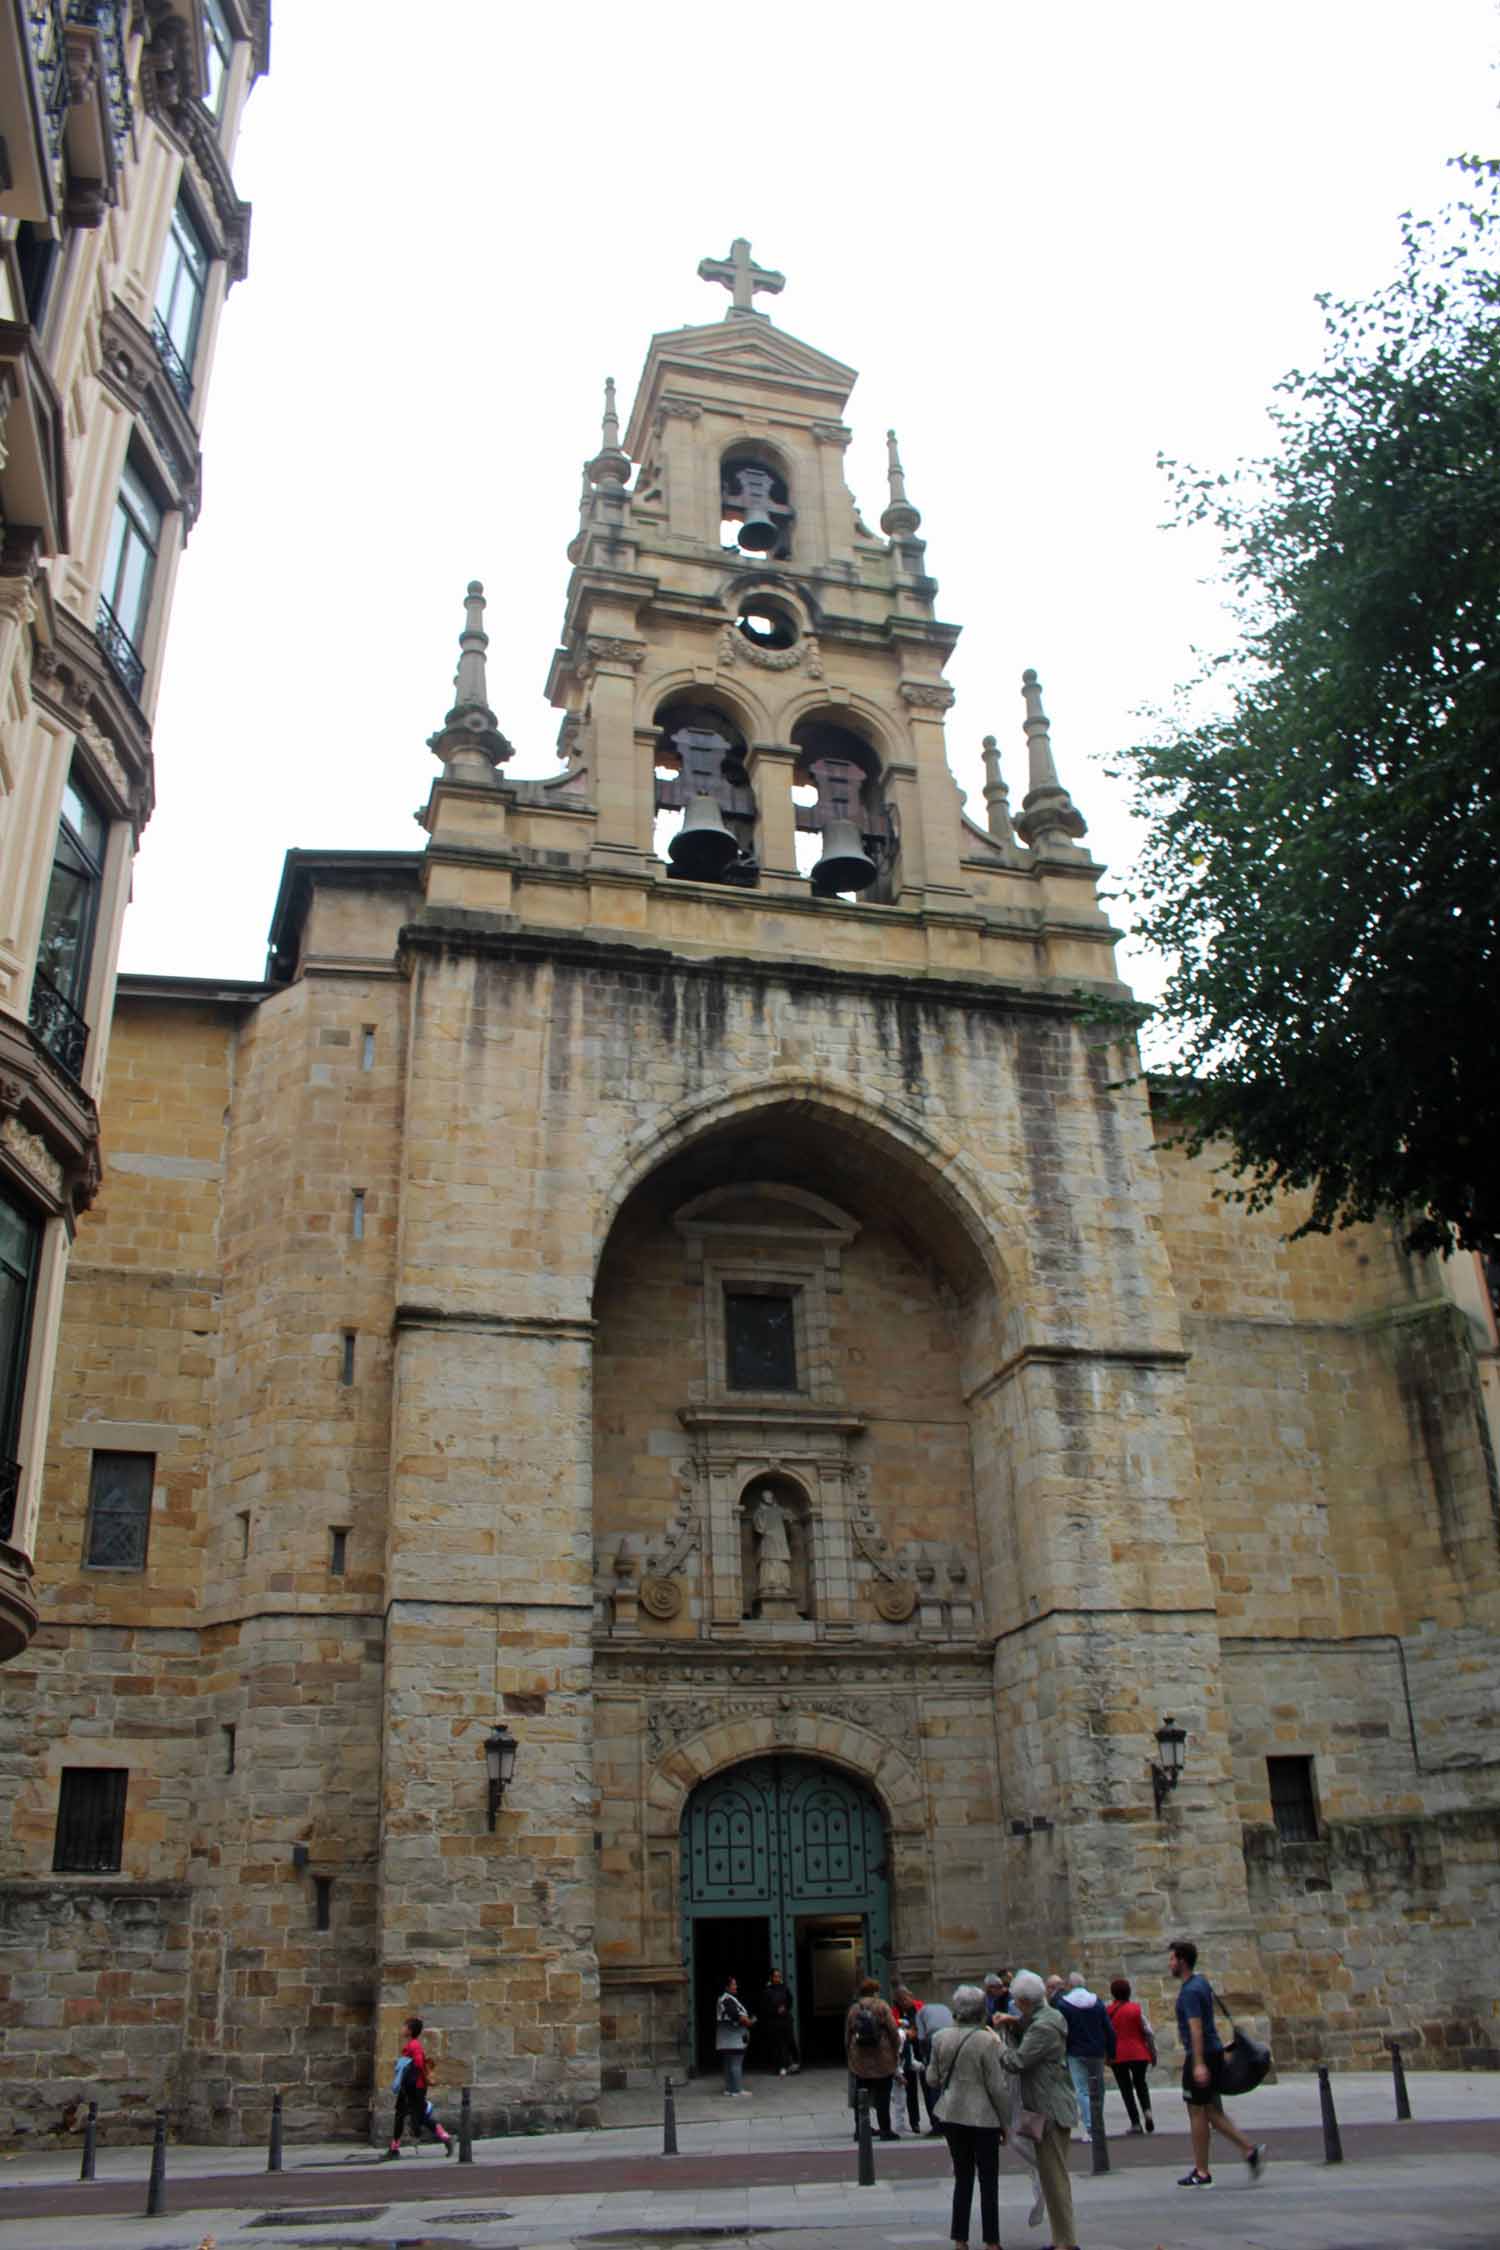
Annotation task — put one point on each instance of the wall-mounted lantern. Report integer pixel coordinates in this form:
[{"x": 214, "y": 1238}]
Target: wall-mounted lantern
[
  {"x": 500, "y": 1747},
  {"x": 1166, "y": 1771}
]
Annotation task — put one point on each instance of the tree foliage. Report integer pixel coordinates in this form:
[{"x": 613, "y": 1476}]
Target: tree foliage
[{"x": 1322, "y": 863}]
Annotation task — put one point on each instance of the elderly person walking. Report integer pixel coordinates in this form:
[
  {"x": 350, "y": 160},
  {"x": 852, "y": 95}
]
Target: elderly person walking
[
  {"x": 1040, "y": 2060},
  {"x": 971, "y": 2102}
]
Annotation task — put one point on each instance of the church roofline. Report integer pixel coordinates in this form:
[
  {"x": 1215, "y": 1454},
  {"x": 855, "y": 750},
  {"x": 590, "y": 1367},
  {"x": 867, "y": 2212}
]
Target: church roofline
[
  {"x": 224, "y": 992},
  {"x": 302, "y": 869},
  {"x": 721, "y": 351}
]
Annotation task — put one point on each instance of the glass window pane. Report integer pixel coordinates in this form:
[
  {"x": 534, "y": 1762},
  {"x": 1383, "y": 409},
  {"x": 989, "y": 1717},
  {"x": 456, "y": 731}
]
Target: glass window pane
[
  {"x": 67, "y": 926},
  {"x": 179, "y": 292},
  {"x": 84, "y": 818},
  {"x": 133, "y": 586},
  {"x": 120, "y": 1510},
  {"x": 141, "y": 505},
  {"x": 219, "y": 46},
  {"x": 762, "y": 1343}
]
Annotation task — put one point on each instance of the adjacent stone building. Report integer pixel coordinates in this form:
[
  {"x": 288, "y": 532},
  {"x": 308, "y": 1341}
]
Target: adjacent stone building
[
  {"x": 120, "y": 233},
  {"x": 711, "y": 1312}
]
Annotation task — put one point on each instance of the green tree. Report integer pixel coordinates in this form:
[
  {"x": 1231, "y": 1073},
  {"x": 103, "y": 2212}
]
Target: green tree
[{"x": 1322, "y": 862}]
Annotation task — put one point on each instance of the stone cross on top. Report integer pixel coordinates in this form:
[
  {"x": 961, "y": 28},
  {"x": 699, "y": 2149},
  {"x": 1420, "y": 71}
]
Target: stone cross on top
[{"x": 739, "y": 274}]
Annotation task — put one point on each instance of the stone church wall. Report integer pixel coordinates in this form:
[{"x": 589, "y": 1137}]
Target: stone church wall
[{"x": 1351, "y": 1510}]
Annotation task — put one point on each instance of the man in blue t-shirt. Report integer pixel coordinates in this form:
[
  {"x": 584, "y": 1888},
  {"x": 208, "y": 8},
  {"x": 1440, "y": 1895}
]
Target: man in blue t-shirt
[{"x": 1203, "y": 2067}]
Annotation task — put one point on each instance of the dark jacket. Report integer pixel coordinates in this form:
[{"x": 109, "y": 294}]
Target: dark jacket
[{"x": 1090, "y": 2032}]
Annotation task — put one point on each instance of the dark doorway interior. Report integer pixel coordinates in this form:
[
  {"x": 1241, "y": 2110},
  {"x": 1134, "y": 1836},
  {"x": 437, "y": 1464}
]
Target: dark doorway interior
[
  {"x": 725, "y": 1946},
  {"x": 830, "y": 1963}
]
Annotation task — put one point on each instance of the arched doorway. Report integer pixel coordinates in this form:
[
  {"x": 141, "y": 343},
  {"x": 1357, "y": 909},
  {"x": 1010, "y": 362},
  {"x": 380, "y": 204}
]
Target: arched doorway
[{"x": 784, "y": 1865}]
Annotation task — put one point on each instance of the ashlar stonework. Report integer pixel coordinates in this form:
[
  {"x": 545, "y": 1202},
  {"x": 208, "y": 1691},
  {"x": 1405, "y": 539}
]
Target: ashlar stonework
[{"x": 717, "y": 1306}]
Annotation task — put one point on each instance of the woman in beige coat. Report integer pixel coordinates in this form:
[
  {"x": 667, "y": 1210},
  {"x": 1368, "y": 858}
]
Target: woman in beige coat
[
  {"x": 971, "y": 2102},
  {"x": 1040, "y": 2060}
]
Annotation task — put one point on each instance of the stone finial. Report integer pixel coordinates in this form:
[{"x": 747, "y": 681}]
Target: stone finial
[
  {"x": 996, "y": 795},
  {"x": 610, "y": 465},
  {"x": 900, "y": 519},
  {"x": 1048, "y": 815},
  {"x": 469, "y": 742},
  {"x": 739, "y": 274}
]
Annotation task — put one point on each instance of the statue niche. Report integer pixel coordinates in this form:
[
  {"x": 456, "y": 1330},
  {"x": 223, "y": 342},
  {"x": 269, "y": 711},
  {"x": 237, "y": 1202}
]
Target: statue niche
[{"x": 775, "y": 1548}]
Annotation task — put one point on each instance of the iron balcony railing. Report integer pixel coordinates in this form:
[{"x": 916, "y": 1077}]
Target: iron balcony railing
[
  {"x": 174, "y": 366},
  {"x": 124, "y": 657},
  {"x": 49, "y": 45},
  {"x": 10, "y": 1485},
  {"x": 58, "y": 1025}
]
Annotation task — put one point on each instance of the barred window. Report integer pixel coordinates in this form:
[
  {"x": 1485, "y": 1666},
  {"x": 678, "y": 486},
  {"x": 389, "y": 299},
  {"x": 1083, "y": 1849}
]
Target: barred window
[
  {"x": 1294, "y": 1803},
  {"x": 90, "y": 1820},
  {"x": 119, "y": 1510}
]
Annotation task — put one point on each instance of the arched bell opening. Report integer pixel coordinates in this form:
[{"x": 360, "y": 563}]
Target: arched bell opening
[
  {"x": 846, "y": 833},
  {"x": 705, "y": 806},
  {"x": 755, "y": 503}
]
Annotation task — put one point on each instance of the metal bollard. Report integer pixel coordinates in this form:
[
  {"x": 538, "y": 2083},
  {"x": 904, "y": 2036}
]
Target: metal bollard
[
  {"x": 1097, "y": 2142},
  {"x": 466, "y": 2126},
  {"x": 866, "y": 2173},
  {"x": 1333, "y": 2147},
  {"x": 156, "y": 2186},
  {"x": 90, "y": 2142},
  {"x": 1398, "y": 2076},
  {"x": 668, "y": 2119},
  {"x": 273, "y": 2153}
]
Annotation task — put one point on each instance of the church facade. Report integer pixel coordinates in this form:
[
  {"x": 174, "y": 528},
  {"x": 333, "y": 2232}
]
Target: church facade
[{"x": 681, "y": 1419}]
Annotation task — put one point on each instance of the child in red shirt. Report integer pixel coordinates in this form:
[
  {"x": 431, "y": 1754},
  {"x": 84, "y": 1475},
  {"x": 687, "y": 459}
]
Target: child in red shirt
[{"x": 413, "y": 2077}]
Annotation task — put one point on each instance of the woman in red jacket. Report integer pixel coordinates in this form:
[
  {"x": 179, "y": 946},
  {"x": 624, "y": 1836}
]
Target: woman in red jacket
[{"x": 1135, "y": 2052}]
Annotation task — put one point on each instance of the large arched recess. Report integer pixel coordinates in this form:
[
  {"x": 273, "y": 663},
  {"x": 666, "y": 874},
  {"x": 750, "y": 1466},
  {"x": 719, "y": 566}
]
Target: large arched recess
[{"x": 839, "y": 1133}]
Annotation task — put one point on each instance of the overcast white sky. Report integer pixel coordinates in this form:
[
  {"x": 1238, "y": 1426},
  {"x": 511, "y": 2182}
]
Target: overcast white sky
[{"x": 1054, "y": 239}]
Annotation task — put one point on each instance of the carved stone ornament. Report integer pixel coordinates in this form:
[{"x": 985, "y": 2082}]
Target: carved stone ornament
[
  {"x": 598, "y": 648},
  {"x": 927, "y": 696},
  {"x": 832, "y": 433},
  {"x": 738, "y": 650},
  {"x": 34, "y": 1155},
  {"x": 894, "y": 1599},
  {"x": 661, "y": 1597},
  {"x": 893, "y": 1720},
  {"x": 681, "y": 409}
]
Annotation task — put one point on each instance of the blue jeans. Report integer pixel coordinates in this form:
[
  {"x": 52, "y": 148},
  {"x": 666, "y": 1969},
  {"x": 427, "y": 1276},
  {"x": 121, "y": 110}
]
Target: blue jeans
[
  {"x": 1078, "y": 2071},
  {"x": 733, "y": 2059}
]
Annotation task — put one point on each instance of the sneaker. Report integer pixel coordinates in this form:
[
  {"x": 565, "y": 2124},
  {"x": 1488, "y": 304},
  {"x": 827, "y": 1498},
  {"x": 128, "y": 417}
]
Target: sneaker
[
  {"x": 449, "y": 2144},
  {"x": 1136, "y": 2132},
  {"x": 1256, "y": 2161},
  {"x": 1195, "y": 2178},
  {"x": 795, "y": 2068},
  {"x": 389, "y": 2155},
  {"x": 1150, "y": 2122},
  {"x": 781, "y": 2074}
]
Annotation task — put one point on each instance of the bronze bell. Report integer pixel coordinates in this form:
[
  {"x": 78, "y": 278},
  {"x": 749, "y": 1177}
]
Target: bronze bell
[
  {"x": 759, "y": 532},
  {"x": 702, "y": 847},
  {"x": 845, "y": 864}
]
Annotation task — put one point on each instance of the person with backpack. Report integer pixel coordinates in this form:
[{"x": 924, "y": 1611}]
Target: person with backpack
[
  {"x": 1091, "y": 2038},
  {"x": 733, "y": 2024},
  {"x": 872, "y": 2047},
  {"x": 1203, "y": 2069},
  {"x": 412, "y": 2078}
]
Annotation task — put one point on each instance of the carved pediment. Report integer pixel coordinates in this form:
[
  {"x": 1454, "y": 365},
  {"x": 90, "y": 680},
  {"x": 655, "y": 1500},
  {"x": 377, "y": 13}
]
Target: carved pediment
[{"x": 684, "y": 359}]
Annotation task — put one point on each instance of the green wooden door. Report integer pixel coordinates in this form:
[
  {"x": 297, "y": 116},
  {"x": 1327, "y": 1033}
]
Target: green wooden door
[{"x": 782, "y": 1838}]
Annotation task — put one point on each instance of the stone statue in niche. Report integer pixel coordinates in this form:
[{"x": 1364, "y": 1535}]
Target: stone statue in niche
[{"x": 773, "y": 1552}]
